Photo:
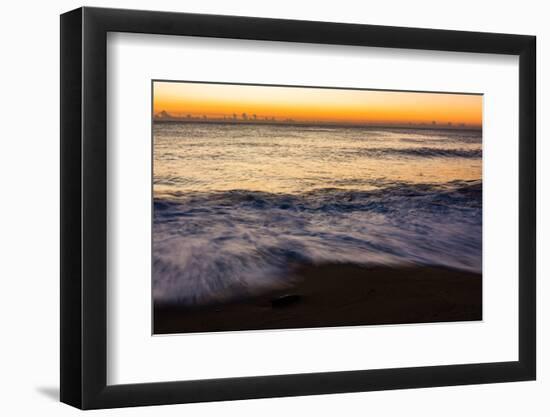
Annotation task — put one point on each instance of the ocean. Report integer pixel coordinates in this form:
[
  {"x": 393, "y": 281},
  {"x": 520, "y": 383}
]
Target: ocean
[{"x": 238, "y": 206}]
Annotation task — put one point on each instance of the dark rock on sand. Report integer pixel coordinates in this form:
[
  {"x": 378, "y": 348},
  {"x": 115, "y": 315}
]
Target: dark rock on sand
[{"x": 285, "y": 300}]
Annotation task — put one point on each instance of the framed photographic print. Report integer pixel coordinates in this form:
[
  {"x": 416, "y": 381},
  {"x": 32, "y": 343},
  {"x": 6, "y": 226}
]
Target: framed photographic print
[{"x": 259, "y": 207}]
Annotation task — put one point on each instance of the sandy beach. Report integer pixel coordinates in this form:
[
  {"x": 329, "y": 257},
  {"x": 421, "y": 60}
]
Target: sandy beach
[{"x": 341, "y": 295}]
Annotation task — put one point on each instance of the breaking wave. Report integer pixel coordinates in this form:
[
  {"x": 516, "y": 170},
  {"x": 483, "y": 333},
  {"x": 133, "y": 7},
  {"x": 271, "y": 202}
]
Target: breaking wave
[{"x": 214, "y": 246}]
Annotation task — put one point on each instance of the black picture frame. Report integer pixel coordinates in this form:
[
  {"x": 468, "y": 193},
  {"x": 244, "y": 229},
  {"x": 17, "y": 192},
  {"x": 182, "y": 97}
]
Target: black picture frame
[{"x": 84, "y": 207}]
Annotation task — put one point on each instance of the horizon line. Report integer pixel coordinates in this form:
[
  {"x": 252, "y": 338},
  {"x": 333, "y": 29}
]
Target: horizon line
[{"x": 291, "y": 122}]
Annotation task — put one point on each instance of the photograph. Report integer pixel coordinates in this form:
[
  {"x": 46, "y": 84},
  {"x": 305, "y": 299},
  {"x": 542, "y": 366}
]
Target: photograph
[
  {"x": 266, "y": 206},
  {"x": 287, "y": 207}
]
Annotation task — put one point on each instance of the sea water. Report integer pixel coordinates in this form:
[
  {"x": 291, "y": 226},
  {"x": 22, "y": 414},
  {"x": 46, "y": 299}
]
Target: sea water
[{"x": 238, "y": 206}]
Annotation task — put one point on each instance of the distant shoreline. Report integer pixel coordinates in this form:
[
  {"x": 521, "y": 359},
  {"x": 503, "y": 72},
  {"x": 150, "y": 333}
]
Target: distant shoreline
[{"x": 322, "y": 125}]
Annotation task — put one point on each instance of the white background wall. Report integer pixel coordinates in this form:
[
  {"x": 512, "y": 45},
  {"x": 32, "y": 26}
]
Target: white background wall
[{"x": 29, "y": 225}]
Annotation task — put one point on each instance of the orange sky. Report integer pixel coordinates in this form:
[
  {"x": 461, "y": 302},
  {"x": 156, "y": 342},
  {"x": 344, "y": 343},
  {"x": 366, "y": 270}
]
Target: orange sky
[{"x": 315, "y": 104}]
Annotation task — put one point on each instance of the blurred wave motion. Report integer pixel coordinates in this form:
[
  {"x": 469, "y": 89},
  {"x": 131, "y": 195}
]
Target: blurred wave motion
[{"x": 237, "y": 207}]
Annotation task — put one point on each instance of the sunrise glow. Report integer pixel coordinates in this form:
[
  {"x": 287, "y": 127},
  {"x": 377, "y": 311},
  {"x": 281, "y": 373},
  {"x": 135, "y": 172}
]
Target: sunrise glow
[{"x": 295, "y": 104}]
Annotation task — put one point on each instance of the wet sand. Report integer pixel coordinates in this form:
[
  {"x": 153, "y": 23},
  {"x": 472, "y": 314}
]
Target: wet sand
[{"x": 341, "y": 295}]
